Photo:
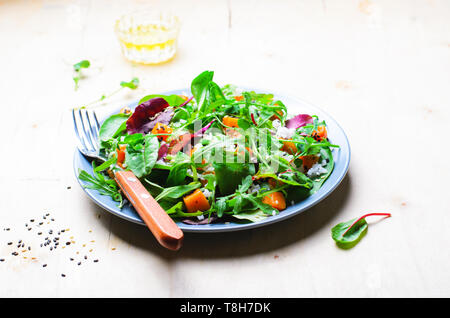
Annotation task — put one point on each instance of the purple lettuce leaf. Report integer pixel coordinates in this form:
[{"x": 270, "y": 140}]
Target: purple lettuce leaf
[
  {"x": 299, "y": 121},
  {"x": 144, "y": 114}
]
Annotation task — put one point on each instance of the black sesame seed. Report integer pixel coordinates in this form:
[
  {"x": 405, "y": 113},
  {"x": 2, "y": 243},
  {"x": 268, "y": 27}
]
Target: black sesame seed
[
  {"x": 20, "y": 241},
  {"x": 85, "y": 257},
  {"x": 32, "y": 220},
  {"x": 9, "y": 243},
  {"x": 44, "y": 265},
  {"x": 95, "y": 260},
  {"x": 67, "y": 243},
  {"x": 63, "y": 275},
  {"x": 2, "y": 259},
  {"x": 29, "y": 229},
  {"x": 79, "y": 263},
  {"x": 39, "y": 233},
  {"x": 71, "y": 259}
]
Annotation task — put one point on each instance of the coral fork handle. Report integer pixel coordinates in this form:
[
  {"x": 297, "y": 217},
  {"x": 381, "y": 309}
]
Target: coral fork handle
[{"x": 157, "y": 220}]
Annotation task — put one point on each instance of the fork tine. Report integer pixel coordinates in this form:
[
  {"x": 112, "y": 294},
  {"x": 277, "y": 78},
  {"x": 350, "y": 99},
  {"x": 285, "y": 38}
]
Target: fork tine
[
  {"x": 93, "y": 124},
  {"x": 81, "y": 140},
  {"x": 87, "y": 131},
  {"x": 92, "y": 130}
]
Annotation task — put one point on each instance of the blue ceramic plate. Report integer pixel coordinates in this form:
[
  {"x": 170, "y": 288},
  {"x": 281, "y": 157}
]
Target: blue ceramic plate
[{"x": 295, "y": 106}]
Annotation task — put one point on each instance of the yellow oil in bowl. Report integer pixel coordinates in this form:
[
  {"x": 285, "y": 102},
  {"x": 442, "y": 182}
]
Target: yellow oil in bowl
[{"x": 148, "y": 38}]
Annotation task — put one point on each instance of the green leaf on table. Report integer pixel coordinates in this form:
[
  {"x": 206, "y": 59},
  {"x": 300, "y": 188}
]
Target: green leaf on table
[
  {"x": 77, "y": 68},
  {"x": 352, "y": 237},
  {"x": 82, "y": 64},
  {"x": 348, "y": 234},
  {"x": 133, "y": 84}
]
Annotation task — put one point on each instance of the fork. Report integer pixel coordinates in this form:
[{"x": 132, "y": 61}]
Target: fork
[{"x": 162, "y": 226}]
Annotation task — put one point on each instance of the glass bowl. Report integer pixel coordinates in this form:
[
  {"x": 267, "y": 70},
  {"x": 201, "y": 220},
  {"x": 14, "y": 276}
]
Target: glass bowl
[{"x": 148, "y": 37}]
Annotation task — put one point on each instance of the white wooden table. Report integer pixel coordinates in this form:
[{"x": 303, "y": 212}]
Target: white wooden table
[{"x": 381, "y": 68}]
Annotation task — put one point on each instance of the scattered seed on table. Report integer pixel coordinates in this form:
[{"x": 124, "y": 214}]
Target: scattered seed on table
[
  {"x": 39, "y": 233},
  {"x": 14, "y": 253},
  {"x": 113, "y": 249},
  {"x": 29, "y": 229},
  {"x": 79, "y": 263},
  {"x": 2, "y": 259},
  {"x": 71, "y": 259},
  {"x": 68, "y": 188},
  {"x": 67, "y": 243},
  {"x": 29, "y": 248},
  {"x": 32, "y": 220},
  {"x": 10, "y": 243},
  {"x": 20, "y": 241},
  {"x": 95, "y": 260},
  {"x": 85, "y": 257},
  {"x": 40, "y": 223},
  {"x": 44, "y": 265},
  {"x": 63, "y": 275}
]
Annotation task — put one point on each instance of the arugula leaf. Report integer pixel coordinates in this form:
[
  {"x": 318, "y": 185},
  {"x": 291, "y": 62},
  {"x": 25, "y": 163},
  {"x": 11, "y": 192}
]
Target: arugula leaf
[
  {"x": 178, "y": 191},
  {"x": 104, "y": 185},
  {"x": 348, "y": 234},
  {"x": 133, "y": 84}
]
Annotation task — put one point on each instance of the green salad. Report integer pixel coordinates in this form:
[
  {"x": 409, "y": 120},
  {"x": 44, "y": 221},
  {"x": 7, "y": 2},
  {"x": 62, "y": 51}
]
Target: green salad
[{"x": 220, "y": 155}]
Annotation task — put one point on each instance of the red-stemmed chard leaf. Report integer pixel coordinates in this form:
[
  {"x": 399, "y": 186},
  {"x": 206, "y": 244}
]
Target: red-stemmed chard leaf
[
  {"x": 299, "y": 121},
  {"x": 348, "y": 234},
  {"x": 144, "y": 114}
]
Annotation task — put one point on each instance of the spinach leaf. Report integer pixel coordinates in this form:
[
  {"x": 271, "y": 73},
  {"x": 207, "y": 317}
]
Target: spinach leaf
[
  {"x": 141, "y": 158},
  {"x": 229, "y": 175},
  {"x": 252, "y": 216},
  {"x": 172, "y": 100},
  {"x": 199, "y": 88},
  {"x": 113, "y": 126}
]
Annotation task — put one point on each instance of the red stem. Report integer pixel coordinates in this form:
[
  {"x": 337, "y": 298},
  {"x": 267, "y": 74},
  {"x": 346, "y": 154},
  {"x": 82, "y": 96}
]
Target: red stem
[
  {"x": 185, "y": 103},
  {"x": 363, "y": 217},
  {"x": 253, "y": 119}
]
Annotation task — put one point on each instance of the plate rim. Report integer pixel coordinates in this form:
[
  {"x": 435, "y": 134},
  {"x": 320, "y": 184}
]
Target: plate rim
[{"x": 231, "y": 227}]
